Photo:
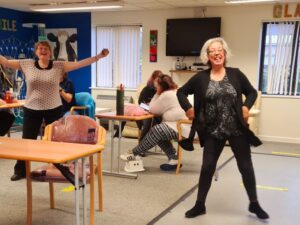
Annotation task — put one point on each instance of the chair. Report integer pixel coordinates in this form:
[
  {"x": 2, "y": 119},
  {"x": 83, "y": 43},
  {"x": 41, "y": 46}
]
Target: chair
[
  {"x": 84, "y": 101},
  {"x": 253, "y": 120},
  {"x": 74, "y": 129},
  {"x": 179, "y": 148}
]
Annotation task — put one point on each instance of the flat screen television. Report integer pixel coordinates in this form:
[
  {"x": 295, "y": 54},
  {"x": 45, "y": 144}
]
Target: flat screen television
[{"x": 185, "y": 37}]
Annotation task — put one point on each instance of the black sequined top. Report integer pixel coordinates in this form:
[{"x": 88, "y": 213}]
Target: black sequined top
[{"x": 220, "y": 115}]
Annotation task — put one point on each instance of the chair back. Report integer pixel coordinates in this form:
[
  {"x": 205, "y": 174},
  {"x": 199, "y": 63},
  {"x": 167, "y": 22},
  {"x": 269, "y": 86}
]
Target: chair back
[
  {"x": 85, "y": 99},
  {"x": 75, "y": 129}
]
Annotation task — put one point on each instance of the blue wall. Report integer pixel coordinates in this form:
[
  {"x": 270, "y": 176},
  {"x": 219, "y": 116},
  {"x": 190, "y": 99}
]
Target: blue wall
[{"x": 81, "y": 21}]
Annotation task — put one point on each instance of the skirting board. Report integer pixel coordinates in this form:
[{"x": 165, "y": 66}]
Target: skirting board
[{"x": 280, "y": 139}]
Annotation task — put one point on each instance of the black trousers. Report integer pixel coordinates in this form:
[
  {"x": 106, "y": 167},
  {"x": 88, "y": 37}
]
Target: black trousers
[
  {"x": 6, "y": 121},
  {"x": 212, "y": 151},
  {"x": 33, "y": 120}
]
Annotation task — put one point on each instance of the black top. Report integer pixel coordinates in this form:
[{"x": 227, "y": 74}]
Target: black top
[
  {"x": 147, "y": 94},
  {"x": 198, "y": 85},
  {"x": 68, "y": 87},
  {"x": 220, "y": 115}
]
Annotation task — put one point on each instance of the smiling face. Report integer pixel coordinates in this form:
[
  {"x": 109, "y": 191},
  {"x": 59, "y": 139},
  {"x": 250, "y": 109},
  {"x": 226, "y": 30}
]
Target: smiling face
[
  {"x": 43, "y": 51},
  {"x": 216, "y": 54}
]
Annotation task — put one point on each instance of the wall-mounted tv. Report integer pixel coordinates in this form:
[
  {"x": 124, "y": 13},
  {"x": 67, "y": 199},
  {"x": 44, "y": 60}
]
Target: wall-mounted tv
[{"x": 185, "y": 37}]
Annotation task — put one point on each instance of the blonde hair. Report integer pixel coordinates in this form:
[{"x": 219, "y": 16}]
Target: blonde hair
[{"x": 204, "y": 51}]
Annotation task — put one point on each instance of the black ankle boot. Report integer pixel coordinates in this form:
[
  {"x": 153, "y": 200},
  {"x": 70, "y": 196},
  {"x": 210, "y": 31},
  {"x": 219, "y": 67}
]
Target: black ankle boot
[
  {"x": 254, "y": 207},
  {"x": 197, "y": 210}
]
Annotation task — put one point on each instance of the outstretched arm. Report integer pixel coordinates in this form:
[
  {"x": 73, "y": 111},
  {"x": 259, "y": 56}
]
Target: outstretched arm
[
  {"x": 69, "y": 66},
  {"x": 13, "y": 64}
]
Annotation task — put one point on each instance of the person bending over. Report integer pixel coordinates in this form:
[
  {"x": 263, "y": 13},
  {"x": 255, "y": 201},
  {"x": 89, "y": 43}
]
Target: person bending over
[
  {"x": 164, "y": 104},
  {"x": 145, "y": 97}
]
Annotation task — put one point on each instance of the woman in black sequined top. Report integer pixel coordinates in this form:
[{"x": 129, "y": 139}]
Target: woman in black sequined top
[{"x": 220, "y": 115}]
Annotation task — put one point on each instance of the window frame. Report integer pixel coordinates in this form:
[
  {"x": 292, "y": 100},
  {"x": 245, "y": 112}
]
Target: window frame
[{"x": 295, "y": 57}]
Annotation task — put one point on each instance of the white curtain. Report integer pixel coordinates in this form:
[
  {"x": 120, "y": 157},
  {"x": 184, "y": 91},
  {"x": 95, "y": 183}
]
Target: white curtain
[
  {"x": 278, "y": 53},
  {"x": 122, "y": 66}
]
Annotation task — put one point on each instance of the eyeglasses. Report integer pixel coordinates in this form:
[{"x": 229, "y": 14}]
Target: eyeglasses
[{"x": 215, "y": 51}]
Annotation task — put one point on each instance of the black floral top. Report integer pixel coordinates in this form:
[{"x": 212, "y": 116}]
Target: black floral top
[{"x": 220, "y": 115}]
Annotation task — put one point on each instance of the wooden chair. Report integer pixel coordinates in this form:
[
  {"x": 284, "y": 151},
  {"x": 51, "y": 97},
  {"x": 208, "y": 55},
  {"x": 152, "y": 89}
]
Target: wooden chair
[
  {"x": 179, "y": 148},
  {"x": 54, "y": 174}
]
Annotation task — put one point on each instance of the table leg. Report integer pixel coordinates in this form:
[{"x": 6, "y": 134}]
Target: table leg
[
  {"x": 77, "y": 213},
  {"x": 83, "y": 191},
  {"x": 118, "y": 173},
  {"x": 112, "y": 124},
  {"x": 29, "y": 193},
  {"x": 119, "y": 144},
  {"x": 92, "y": 191}
]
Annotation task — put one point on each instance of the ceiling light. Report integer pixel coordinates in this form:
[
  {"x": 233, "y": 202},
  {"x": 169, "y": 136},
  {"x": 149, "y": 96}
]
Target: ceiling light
[
  {"x": 77, "y": 6},
  {"x": 248, "y": 1}
]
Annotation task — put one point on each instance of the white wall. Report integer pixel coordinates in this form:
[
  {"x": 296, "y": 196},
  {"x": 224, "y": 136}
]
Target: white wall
[{"x": 241, "y": 26}]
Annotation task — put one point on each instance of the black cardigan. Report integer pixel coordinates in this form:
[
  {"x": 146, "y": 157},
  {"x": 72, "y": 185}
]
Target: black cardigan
[{"x": 198, "y": 85}]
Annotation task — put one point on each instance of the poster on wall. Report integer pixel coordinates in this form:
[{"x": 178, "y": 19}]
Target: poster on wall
[
  {"x": 63, "y": 42},
  {"x": 153, "y": 45}
]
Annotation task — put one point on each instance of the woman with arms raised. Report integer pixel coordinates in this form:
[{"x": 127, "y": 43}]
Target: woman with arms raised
[{"x": 43, "y": 100}]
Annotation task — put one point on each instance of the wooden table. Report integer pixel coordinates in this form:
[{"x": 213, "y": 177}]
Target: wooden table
[
  {"x": 52, "y": 152},
  {"x": 19, "y": 103},
  {"x": 112, "y": 117}
]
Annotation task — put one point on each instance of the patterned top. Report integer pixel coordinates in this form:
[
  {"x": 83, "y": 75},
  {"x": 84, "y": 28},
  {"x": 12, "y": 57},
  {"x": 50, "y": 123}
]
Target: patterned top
[
  {"x": 220, "y": 115},
  {"x": 42, "y": 84}
]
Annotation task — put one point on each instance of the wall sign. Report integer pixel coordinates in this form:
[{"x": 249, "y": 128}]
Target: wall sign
[
  {"x": 8, "y": 25},
  {"x": 153, "y": 45},
  {"x": 286, "y": 11}
]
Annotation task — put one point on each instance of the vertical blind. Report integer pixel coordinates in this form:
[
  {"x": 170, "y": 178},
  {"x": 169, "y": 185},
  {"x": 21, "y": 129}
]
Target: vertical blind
[
  {"x": 122, "y": 66},
  {"x": 280, "y": 68}
]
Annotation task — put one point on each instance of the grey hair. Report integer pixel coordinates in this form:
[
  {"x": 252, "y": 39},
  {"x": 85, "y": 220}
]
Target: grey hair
[{"x": 204, "y": 51}]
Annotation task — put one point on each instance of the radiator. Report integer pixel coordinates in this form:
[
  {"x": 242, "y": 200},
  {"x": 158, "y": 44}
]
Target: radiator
[{"x": 107, "y": 98}]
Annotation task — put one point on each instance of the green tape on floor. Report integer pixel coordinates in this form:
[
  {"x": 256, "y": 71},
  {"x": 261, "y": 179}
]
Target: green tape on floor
[
  {"x": 285, "y": 153},
  {"x": 269, "y": 188}
]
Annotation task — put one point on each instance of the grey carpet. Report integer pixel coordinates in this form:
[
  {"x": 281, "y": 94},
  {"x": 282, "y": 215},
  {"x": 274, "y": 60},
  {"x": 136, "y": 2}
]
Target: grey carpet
[{"x": 126, "y": 201}]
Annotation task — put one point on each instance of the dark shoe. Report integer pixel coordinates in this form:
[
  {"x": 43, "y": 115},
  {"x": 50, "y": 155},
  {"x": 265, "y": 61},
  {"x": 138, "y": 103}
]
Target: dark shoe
[
  {"x": 171, "y": 165},
  {"x": 142, "y": 154},
  {"x": 197, "y": 210},
  {"x": 16, "y": 177},
  {"x": 254, "y": 207}
]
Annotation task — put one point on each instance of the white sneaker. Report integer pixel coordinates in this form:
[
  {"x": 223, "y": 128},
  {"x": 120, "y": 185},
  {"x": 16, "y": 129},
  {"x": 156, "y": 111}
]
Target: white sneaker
[
  {"x": 134, "y": 166},
  {"x": 129, "y": 156}
]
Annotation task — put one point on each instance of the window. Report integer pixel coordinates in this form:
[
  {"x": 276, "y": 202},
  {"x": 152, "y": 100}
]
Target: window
[
  {"x": 279, "y": 72},
  {"x": 123, "y": 65}
]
